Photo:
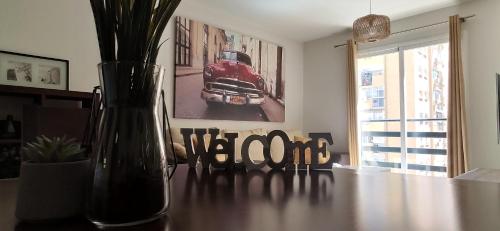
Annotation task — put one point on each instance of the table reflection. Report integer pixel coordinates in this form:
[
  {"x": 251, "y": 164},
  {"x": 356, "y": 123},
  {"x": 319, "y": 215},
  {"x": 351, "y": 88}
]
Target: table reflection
[
  {"x": 162, "y": 224},
  {"x": 219, "y": 200},
  {"x": 277, "y": 186}
]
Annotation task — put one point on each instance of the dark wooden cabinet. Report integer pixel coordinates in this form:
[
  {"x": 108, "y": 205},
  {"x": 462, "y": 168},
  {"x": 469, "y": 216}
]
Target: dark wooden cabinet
[
  {"x": 40, "y": 112},
  {"x": 53, "y": 122},
  {"x": 42, "y": 97}
]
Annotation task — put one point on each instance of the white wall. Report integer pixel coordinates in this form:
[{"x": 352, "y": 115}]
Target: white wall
[
  {"x": 56, "y": 28},
  {"x": 325, "y": 71},
  {"x": 325, "y": 92},
  {"x": 65, "y": 29}
]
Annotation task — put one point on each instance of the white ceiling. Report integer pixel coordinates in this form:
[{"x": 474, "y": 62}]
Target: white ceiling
[{"x": 304, "y": 20}]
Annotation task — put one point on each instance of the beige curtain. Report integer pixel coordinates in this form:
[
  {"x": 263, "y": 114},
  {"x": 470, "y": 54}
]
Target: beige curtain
[
  {"x": 352, "y": 104},
  {"x": 457, "y": 138}
]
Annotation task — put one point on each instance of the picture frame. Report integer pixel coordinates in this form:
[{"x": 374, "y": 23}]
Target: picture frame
[
  {"x": 221, "y": 74},
  {"x": 26, "y": 70}
]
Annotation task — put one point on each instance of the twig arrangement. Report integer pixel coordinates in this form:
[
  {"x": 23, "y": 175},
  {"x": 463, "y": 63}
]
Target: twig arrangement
[
  {"x": 130, "y": 30},
  {"x": 129, "y": 34},
  {"x": 129, "y": 180}
]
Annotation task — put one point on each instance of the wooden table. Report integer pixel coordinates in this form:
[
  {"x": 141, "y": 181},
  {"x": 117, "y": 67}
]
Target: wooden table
[{"x": 323, "y": 200}]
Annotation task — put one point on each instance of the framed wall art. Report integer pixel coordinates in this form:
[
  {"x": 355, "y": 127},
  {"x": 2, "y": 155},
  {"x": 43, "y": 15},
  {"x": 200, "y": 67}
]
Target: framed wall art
[
  {"x": 33, "y": 71},
  {"x": 225, "y": 75}
]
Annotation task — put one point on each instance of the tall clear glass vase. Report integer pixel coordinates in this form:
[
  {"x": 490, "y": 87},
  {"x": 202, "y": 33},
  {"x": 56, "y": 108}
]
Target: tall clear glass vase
[{"x": 130, "y": 179}]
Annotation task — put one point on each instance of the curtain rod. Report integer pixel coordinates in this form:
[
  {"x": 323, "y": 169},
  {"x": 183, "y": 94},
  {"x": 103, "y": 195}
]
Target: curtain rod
[{"x": 462, "y": 19}]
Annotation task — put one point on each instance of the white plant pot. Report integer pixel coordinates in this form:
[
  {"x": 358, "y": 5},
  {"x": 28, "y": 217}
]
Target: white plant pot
[{"x": 50, "y": 191}]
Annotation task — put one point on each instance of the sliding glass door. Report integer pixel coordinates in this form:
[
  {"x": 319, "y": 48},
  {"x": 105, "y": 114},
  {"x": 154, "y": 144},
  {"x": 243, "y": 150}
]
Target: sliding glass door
[
  {"x": 402, "y": 105},
  {"x": 379, "y": 104}
]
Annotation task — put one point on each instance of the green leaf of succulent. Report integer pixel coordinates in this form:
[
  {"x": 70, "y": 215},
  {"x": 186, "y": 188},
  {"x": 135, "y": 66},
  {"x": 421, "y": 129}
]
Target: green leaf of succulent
[{"x": 52, "y": 150}]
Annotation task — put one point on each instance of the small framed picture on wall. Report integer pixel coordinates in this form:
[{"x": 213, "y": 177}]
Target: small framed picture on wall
[{"x": 33, "y": 71}]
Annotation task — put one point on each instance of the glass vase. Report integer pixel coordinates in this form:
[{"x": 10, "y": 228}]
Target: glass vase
[{"x": 130, "y": 179}]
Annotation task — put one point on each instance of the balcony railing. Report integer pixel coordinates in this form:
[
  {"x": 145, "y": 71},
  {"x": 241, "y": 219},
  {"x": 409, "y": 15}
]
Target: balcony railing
[{"x": 375, "y": 148}]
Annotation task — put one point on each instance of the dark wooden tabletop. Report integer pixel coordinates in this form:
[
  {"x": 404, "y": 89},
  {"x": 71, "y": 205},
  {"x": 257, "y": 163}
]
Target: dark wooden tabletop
[{"x": 321, "y": 200}]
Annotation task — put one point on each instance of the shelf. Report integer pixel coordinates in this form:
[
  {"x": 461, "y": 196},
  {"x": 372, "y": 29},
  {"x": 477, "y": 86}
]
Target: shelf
[
  {"x": 40, "y": 94},
  {"x": 16, "y": 90},
  {"x": 10, "y": 141}
]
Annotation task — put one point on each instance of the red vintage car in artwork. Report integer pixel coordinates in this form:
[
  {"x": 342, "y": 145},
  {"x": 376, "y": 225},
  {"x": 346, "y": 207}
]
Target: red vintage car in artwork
[{"x": 232, "y": 80}]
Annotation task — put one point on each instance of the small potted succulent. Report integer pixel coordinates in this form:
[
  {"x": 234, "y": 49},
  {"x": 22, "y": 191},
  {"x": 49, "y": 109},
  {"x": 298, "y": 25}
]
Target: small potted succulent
[{"x": 53, "y": 177}]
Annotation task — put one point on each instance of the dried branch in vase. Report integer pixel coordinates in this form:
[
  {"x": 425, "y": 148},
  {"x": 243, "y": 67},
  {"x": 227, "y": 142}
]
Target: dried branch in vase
[{"x": 130, "y": 30}]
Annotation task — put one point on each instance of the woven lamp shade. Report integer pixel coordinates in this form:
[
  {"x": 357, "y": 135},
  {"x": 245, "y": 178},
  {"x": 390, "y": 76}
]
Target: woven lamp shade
[{"x": 371, "y": 28}]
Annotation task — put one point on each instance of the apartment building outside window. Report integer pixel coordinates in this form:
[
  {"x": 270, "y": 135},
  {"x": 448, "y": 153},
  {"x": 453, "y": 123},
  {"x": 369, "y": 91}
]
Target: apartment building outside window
[{"x": 402, "y": 109}]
